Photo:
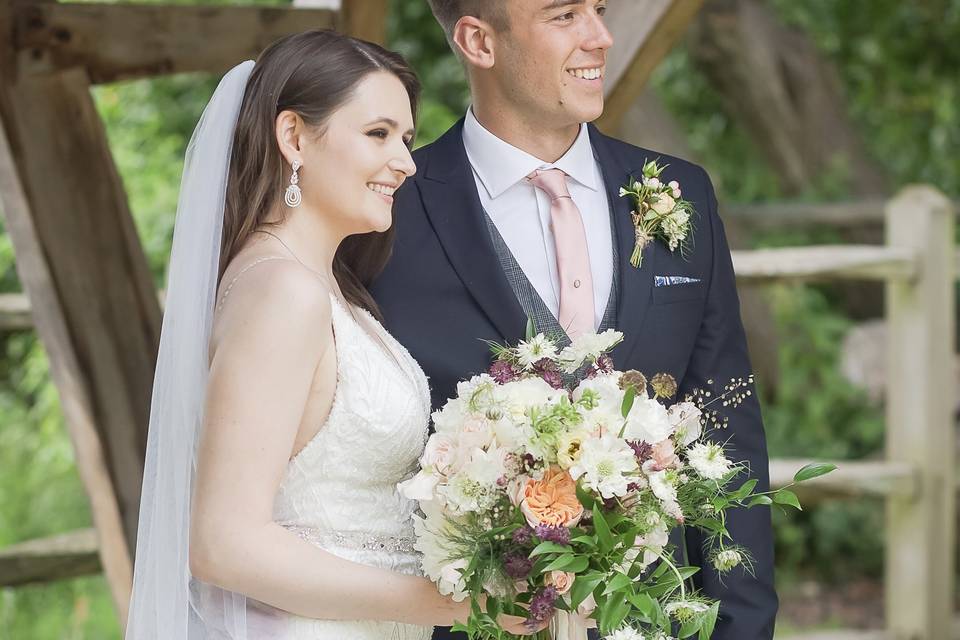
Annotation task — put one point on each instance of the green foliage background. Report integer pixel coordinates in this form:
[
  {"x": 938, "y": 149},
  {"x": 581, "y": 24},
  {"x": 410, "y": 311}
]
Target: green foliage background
[{"x": 898, "y": 61}]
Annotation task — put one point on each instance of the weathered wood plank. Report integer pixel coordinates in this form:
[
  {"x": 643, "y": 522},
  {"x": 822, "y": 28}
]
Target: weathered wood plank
[
  {"x": 123, "y": 41},
  {"x": 825, "y": 262},
  {"x": 365, "y": 19},
  {"x": 853, "y": 478},
  {"x": 807, "y": 214},
  {"x": 67, "y": 555},
  {"x": 644, "y": 32},
  {"x": 920, "y": 534},
  {"x": 95, "y": 304},
  {"x": 15, "y": 312}
]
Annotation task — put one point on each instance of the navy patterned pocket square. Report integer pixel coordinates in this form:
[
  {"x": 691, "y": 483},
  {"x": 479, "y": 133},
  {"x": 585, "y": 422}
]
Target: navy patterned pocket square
[{"x": 669, "y": 281}]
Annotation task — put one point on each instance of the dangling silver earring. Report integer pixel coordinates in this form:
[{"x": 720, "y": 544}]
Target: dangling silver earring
[{"x": 293, "y": 197}]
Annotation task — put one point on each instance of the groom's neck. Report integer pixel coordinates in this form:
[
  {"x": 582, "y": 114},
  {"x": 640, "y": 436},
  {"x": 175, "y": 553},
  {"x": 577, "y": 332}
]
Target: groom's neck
[{"x": 527, "y": 132}]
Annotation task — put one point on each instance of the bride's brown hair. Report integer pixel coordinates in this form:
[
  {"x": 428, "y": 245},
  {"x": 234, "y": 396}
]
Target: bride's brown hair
[{"x": 311, "y": 74}]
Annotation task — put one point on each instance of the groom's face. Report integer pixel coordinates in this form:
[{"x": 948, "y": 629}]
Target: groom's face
[{"x": 551, "y": 60}]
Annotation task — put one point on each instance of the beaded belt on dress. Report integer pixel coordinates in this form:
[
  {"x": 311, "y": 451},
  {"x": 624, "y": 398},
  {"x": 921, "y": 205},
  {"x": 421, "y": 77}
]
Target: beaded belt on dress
[{"x": 354, "y": 540}]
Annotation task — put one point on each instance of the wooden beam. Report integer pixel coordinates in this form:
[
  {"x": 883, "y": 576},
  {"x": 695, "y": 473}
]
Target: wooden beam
[
  {"x": 829, "y": 262},
  {"x": 67, "y": 555},
  {"x": 94, "y": 301},
  {"x": 644, "y": 32},
  {"x": 15, "y": 312},
  {"x": 852, "y": 479},
  {"x": 124, "y": 41},
  {"x": 365, "y": 19}
]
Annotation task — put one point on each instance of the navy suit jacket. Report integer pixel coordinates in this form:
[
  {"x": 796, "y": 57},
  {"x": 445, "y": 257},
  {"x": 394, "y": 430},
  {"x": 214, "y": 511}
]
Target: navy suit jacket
[{"x": 444, "y": 292}]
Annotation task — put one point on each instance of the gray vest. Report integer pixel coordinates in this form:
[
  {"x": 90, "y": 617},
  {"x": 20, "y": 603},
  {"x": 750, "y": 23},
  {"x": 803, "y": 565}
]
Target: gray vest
[{"x": 531, "y": 302}]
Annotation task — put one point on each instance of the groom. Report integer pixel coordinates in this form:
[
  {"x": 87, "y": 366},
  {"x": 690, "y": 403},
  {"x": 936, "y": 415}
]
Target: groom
[{"x": 522, "y": 190}]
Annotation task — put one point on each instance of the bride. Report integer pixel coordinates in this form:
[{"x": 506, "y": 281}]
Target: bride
[{"x": 283, "y": 414}]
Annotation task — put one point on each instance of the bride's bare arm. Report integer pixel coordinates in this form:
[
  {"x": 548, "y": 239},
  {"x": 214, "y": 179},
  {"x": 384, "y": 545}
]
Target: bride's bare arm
[{"x": 273, "y": 341}]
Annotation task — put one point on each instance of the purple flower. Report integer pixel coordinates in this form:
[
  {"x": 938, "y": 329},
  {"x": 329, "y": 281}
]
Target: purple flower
[
  {"x": 641, "y": 450},
  {"x": 522, "y": 535},
  {"x": 529, "y": 462},
  {"x": 503, "y": 372},
  {"x": 517, "y": 566},
  {"x": 560, "y": 535},
  {"x": 542, "y": 605},
  {"x": 553, "y": 378},
  {"x": 604, "y": 364}
]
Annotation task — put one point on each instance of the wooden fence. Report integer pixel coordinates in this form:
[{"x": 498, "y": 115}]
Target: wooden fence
[{"x": 918, "y": 264}]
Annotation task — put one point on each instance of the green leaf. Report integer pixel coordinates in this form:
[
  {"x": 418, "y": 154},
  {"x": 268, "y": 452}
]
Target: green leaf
[
  {"x": 744, "y": 490},
  {"x": 643, "y": 603},
  {"x": 688, "y": 572},
  {"x": 814, "y": 470},
  {"x": 689, "y": 629},
  {"x": 619, "y": 581},
  {"x": 493, "y": 608},
  {"x": 570, "y": 562},
  {"x": 612, "y": 612},
  {"x": 784, "y": 496},
  {"x": 531, "y": 331},
  {"x": 549, "y": 547},
  {"x": 710, "y": 621},
  {"x": 602, "y": 529},
  {"x": 588, "y": 541},
  {"x": 583, "y": 586},
  {"x": 628, "y": 397},
  {"x": 585, "y": 497},
  {"x": 760, "y": 500}
]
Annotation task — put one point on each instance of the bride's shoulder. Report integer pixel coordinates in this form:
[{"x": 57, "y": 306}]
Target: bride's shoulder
[{"x": 272, "y": 292}]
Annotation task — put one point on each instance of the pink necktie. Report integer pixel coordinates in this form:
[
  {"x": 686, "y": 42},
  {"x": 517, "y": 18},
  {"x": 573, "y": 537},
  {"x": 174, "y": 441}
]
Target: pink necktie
[{"x": 573, "y": 260}]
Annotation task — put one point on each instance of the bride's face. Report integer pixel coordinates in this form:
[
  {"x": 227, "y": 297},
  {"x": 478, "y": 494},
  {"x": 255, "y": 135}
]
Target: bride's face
[{"x": 351, "y": 171}]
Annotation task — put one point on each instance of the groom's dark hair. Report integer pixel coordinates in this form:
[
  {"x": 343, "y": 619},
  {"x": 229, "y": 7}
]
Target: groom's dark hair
[{"x": 448, "y": 12}]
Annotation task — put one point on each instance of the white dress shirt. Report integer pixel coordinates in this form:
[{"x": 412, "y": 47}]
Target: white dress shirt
[{"x": 521, "y": 212}]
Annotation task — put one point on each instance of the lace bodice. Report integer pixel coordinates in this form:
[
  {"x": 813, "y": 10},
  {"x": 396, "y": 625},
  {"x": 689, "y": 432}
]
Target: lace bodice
[
  {"x": 345, "y": 479},
  {"x": 340, "y": 491}
]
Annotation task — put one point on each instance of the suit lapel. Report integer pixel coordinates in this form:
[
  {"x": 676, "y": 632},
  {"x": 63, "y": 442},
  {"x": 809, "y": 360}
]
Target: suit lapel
[
  {"x": 450, "y": 198},
  {"x": 636, "y": 285}
]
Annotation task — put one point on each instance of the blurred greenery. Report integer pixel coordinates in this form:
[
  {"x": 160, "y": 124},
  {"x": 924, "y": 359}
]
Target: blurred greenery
[{"x": 898, "y": 64}]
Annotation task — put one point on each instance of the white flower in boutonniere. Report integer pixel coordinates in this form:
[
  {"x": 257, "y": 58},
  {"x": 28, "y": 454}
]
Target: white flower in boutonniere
[{"x": 659, "y": 212}]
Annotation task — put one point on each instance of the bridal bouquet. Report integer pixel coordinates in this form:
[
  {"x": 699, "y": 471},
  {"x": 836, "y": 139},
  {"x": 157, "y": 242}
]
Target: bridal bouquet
[{"x": 551, "y": 485}]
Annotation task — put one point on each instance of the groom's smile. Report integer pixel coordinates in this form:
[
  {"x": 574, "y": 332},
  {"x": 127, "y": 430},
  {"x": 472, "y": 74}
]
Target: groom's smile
[{"x": 589, "y": 73}]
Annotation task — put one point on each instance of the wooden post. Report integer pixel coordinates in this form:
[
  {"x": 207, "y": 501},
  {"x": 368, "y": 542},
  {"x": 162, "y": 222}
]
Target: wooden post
[{"x": 921, "y": 529}]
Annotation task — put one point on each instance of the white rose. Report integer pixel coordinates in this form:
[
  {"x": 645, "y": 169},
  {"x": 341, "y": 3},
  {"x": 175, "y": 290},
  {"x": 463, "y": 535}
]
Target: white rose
[
  {"x": 648, "y": 421},
  {"x": 664, "y": 204},
  {"x": 449, "y": 417},
  {"x": 475, "y": 432},
  {"x": 440, "y": 453},
  {"x": 520, "y": 395}
]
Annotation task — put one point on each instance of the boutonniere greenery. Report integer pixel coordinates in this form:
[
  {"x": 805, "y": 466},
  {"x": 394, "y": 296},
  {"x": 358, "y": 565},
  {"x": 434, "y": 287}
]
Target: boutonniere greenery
[{"x": 659, "y": 212}]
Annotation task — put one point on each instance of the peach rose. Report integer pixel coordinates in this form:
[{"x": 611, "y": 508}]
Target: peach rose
[
  {"x": 562, "y": 580},
  {"x": 552, "y": 500}
]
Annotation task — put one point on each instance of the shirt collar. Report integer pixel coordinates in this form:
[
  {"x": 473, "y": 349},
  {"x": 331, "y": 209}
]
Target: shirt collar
[{"x": 499, "y": 165}]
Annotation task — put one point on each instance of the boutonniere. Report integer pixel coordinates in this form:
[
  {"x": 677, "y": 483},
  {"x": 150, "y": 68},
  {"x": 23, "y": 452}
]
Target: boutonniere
[{"x": 658, "y": 213}]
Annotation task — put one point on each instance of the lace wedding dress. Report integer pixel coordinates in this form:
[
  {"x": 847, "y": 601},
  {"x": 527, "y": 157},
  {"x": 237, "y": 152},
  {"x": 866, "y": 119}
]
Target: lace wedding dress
[{"x": 339, "y": 493}]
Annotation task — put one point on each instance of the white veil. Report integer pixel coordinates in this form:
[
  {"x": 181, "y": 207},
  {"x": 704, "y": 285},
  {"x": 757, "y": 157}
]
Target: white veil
[{"x": 165, "y": 602}]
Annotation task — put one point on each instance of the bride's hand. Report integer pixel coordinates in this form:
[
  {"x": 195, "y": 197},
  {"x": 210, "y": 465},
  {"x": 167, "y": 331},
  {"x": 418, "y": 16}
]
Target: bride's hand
[{"x": 518, "y": 626}]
